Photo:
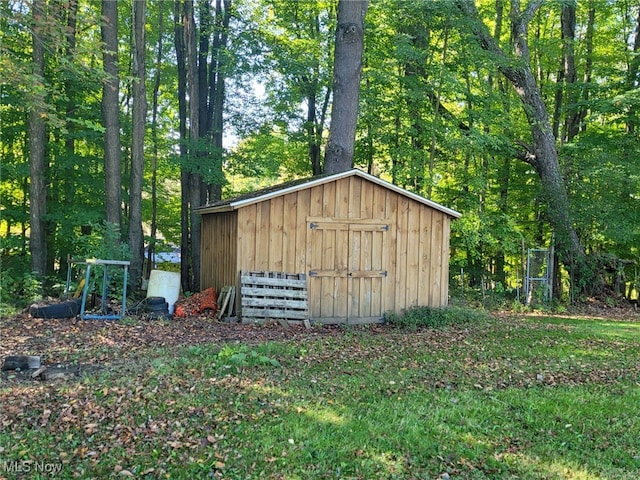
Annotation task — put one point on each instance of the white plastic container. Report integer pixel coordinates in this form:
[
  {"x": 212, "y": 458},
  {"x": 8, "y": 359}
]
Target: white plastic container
[{"x": 164, "y": 284}]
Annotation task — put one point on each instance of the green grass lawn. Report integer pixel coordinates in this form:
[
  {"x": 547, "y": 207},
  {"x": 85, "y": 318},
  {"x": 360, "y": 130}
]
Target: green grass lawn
[{"x": 509, "y": 397}]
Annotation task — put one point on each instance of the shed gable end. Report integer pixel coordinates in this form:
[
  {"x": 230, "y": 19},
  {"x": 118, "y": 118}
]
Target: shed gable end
[{"x": 365, "y": 249}]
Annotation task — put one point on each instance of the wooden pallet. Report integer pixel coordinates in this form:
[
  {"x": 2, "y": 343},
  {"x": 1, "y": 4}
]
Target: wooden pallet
[{"x": 273, "y": 296}]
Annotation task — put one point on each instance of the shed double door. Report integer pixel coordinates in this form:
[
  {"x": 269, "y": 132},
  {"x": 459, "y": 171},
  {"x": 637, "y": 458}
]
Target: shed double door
[{"x": 347, "y": 274}]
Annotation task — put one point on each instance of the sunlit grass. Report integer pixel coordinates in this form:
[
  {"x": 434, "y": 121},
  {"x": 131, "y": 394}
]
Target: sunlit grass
[{"x": 591, "y": 326}]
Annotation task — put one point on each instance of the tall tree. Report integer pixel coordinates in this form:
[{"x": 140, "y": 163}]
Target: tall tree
[
  {"x": 542, "y": 154},
  {"x": 37, "y": 139},
  {"x": 567, "y": 93},
  {"x": 217, "y": 93},
  {"x": 136, "y": 244},
  {"x": 203, "y": 79},
  {"x": 192, "y": 190},
  {"x": 347, "y": 71},
  {"x": 633, "y": 74},
  {"x": 588, "y": 69},
  {"x": 111, "y": 114},
  {"x": 181, "y": 61},
  {"x": 572, "y": 116},
  {"x": 157, "y": 79},
  {"x": 68, "y": 13}
]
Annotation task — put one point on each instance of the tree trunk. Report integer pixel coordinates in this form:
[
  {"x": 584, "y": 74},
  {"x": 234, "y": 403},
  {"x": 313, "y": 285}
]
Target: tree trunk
[
  {"x": 632, "y": 77},
  {"x": 572, "y": 115},
  {"x": 588, "y": 69},
  {"x": 558, "y": 101},
  {"x": 310, "y": 127},
  {"x": 347, "y": 70},
  {"x": 154, "y": 143},
  {"x": 414, "y": 72},
  {"x": 504, "y": 172},
  {"x": 111, "y": 114},
  {"x": 136, "y": 243},
  {"x": 437, "y": 103},
  {"x": 70, "y": 88},
  {"x": 217, "y": 94},
  {"x": 201, "y": 76},
  {"x": 202, "y": 174},
  {"x": 37, "y": 138},
  {"x": 543, "y": 155},
  {"x": 314, "y": 125},
  {"x": 193, "y": 185},
  {"x": 185, "y": 251}
]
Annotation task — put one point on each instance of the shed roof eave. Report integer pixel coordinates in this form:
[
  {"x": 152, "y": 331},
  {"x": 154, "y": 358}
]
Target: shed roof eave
[
  {"x": 218, "y": 209},
  {"x": 234, "y": 205}
]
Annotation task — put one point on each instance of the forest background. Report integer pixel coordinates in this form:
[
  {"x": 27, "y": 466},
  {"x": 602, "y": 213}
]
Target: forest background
[{"x": 119, "y": 119}]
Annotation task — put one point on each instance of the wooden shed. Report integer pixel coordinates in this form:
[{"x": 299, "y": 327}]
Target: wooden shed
[{"x": 363, "y": 245}]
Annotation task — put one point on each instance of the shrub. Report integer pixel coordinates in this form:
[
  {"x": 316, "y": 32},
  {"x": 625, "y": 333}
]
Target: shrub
[
  {"x": 432, "y": 317},
  {"x": 18, "y": 290},
  {"x": 105, "y": 242},
  {"x": 16, "y": 287}
]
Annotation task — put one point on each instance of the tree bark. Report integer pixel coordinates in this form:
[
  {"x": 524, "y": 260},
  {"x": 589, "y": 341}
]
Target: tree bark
[
  {"x": 179, "y": 39},
  {"x": 543, "y": 155},
  {"x": 312, "y": 140},
  {"x": 136, "y": 243},
  {"x": 588, "y": 69},
  {"x": 70, "y": 11},
  {"x": 193, "y": 184},
  {"x": 572, "y": 115},
  {"x": 428, "y": 189},
  {"x": 204, "y": 80},
  {"x": 415, "y": 73},
  {"x": 347, "y": 70},
  {"x": 37, "y": 138},
  {"x": 111, "y": 114},
  {"x": 217, "y": 93},
  {"x": 154, "y": 142},
  {"x": 632, "y": 77},
  {"x": 314, "y": 125},
  {"x": 504, "y": 171}
]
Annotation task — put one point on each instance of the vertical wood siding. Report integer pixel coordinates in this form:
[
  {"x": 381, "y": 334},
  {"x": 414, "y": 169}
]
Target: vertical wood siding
[
  {"x": 219, "y": 250},
  {"x": 375, "y": 249}
]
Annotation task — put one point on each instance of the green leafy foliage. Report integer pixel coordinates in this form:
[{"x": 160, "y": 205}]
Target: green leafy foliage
[
  {"x": 18, "y": 290},
  {"x": 436, "y": 117},
  {"x": 430, "y": 317},
  {"x": 242, "y": 356},
  {"x": 269, "y": 156},
  {"x": 104, "y": 242}
]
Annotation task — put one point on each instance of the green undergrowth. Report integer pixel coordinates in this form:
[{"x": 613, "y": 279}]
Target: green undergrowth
[
  {"x": 524, "y": 398},
  {"x": 435, "y": 317}
]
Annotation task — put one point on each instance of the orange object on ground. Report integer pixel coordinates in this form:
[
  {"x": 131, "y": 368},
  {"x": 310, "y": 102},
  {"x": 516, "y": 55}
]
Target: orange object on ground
[
  {"x": 197, "y": 303},
  {"x": 209, "y": 300}
]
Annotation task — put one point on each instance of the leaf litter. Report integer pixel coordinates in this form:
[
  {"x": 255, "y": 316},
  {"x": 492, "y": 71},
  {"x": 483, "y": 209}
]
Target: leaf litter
[{"x": 131, "y": 416}]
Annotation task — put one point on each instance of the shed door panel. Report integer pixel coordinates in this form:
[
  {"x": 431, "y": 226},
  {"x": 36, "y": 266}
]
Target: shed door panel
[{"x": 347, "y": 276}]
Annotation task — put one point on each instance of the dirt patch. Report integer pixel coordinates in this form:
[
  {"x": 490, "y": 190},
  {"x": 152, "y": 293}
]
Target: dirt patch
[
  {"x": 85, "y": 345},
  {"x": 606, "y": 309}
]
